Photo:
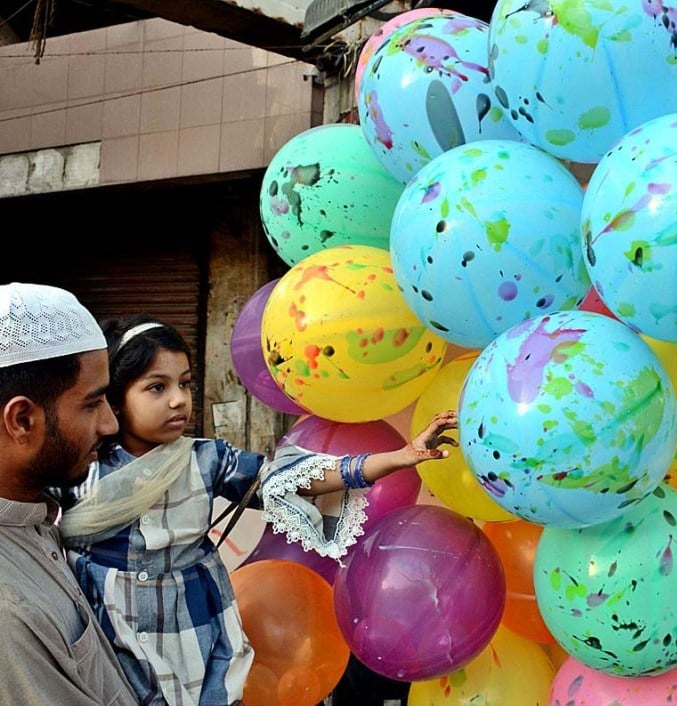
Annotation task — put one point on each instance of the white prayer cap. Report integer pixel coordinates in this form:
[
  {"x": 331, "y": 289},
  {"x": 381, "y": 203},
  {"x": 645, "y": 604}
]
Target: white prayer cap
[{"x": 38, "y": 322}]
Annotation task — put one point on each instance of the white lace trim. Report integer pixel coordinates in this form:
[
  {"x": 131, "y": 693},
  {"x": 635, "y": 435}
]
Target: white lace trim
[{"x": 299, "y": 517}]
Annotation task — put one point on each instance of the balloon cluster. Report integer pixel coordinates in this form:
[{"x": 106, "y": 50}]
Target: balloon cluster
[{"x": 442, "y": 254}]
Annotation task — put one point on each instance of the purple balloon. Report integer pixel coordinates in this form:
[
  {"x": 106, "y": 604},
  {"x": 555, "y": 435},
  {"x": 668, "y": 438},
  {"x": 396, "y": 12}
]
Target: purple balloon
[
  {"x": 247, "y": 354},
  {"x": 275, "y": 546},
  {"x": 421, "y": 595}
]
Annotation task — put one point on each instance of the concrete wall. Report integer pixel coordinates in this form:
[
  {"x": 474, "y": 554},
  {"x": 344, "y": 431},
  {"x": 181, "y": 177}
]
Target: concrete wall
[{"x": 156, "y": 100}]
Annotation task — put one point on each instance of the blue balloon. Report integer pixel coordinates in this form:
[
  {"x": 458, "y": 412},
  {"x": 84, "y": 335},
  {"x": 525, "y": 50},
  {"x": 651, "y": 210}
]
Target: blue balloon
[
  {"x": 629, "y": 228},
  {"x": 426, "y": 90},
  {"x": 487, "y": 235},
  {"x": 574, "y": 77},
  {"x": 568, "y": 419}
]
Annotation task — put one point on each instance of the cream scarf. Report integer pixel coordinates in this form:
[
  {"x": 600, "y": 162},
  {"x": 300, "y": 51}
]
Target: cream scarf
[{"x": 122, "y": 497}]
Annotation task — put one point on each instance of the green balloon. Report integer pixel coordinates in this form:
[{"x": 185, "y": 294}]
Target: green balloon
[
  {"x": 324, "y": 188},
  {"x": 608, "y": 593}
]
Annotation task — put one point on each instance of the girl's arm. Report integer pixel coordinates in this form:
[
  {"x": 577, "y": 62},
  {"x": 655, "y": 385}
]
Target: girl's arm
[{"x": 422, "y": 447}]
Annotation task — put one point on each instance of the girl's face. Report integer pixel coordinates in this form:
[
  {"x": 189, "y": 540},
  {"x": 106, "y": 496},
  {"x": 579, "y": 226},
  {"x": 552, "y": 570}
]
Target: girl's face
[{"x": 157, "y": 405}]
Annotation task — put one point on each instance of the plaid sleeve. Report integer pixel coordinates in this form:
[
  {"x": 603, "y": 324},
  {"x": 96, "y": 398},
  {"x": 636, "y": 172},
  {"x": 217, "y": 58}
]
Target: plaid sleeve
[{"x": 231, "y": 471}]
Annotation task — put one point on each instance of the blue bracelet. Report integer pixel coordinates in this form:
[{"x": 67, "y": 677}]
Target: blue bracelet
[
  {"x": 358, "y": 477},
  {"x": 344, "y": 468}
]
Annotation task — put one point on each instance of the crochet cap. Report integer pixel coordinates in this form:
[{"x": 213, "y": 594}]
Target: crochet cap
[{"x": 38, "y": 322}]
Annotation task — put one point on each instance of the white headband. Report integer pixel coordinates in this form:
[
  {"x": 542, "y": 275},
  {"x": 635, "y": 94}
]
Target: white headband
[{"x": 135, "y": 331}]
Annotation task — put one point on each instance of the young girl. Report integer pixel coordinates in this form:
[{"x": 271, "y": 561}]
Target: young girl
[{"x": 138, "y": 531}]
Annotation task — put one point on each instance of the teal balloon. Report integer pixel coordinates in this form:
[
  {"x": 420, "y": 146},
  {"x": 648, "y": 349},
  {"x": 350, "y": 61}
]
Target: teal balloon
[
  {"x": 574, "y": 77},
  {"x": 487, "y": 235},
  {"x": 629, "y": 230},
  {"x": 607, "y": 593},
  {"x": 568, "y": 419},
  {"x": 325, "y": 188}
]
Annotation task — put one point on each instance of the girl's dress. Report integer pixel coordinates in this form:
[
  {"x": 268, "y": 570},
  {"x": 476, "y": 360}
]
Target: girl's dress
[{"x": 141, "y": 552}]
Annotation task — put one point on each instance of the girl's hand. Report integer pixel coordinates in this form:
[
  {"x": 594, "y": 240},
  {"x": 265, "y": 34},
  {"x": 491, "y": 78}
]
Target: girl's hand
[{"x": 425, "y": 445}]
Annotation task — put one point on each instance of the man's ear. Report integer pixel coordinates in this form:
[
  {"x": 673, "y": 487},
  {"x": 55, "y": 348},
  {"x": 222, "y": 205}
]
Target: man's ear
[{"x": 22, "y": 417}]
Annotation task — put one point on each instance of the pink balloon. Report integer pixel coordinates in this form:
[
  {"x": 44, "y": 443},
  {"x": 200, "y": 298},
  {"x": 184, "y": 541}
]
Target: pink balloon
[
  {"x": 421, "y": 594},
  {"x": 578, "y": 685},
  {"x": 247, "y": 354},
  {"x": 383, "y": 32},
  {"x": 397, "y": 490}
]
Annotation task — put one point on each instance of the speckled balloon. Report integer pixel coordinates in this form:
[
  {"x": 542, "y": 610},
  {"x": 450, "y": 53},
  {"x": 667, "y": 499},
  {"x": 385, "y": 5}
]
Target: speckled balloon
[
  {"x": 487, "y": 235},
  {"x": 574, "y": 77},
  {"x": 340, "y": 340},
  {"x": 607, "y": 593},
  {"x": 629, "y": 228},
  {"x": 325, "y": 188},
  {"x": 384, "y": 31},
  {"x": 426, "y": 89},
  {"x": 578, "y": 685},
  {"x": 568, "y": 419}
]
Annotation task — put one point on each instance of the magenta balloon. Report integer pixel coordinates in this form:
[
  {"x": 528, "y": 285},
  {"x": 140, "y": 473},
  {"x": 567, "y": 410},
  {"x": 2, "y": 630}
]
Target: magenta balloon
[
  {"x": 421, "y": 594},
  {"x": 247, "y": 355},
  {"x": 575, "y": 684},
  {"x": 275, "y": 546},
  {"x": 324, "y": 436}
]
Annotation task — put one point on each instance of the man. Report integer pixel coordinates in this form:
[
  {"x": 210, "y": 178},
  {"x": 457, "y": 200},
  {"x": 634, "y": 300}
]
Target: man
[{"x": 54, "y": 413}]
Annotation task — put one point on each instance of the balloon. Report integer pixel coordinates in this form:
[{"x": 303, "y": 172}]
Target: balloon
[
  {"x": 288, "y": 615},
  {"x": 568, "y": 419},
  {"x": 558, "y": 656},
  {"x": 325, "y": 188},
  {"x": 383, "y": 32},
  {"x": 324, "y": 436},
  {"x": 628, "y": 228},
  {"x": 578, "y": 685},
  {"x": 421, "y": 594},
  {"x": 607, "y": 592},
  {"x": 273, "y": 545},
  {"x": 496, "y": 677},
  {"x": 667, "y": 354},
  {"x": 487, "y": 235},
  {"x": 516, "y": 544},
  {"x": 247, "y": 355},
  {"x": 540, "y": 52},
  {"x": 592, "y": 302},
  {"x": 340, "y": 340},
  {"x": 450, "y": 479},
  {"x": 425, "y": 90}
]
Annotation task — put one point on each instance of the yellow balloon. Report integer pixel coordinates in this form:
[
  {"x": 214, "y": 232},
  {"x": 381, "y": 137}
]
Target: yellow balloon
[
  {"x": 340, "y": 340},
  {"x": 510, "y": 671},
  {"x": 450, "y": 479},
  {"x": 667, "y": 354}
]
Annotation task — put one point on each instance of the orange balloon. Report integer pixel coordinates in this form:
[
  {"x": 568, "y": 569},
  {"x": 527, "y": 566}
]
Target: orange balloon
[
  {"x": 516, "y": 544},
  {"x": 288, "y": 615}
]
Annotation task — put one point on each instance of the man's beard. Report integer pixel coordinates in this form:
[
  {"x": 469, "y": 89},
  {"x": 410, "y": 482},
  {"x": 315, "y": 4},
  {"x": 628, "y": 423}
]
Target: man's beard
[{"x": 56, "y": 461}]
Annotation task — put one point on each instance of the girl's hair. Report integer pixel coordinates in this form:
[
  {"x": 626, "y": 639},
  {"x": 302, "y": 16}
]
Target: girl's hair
[{"x": 130, "y": 355}]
